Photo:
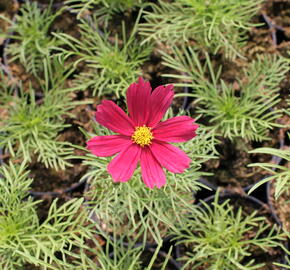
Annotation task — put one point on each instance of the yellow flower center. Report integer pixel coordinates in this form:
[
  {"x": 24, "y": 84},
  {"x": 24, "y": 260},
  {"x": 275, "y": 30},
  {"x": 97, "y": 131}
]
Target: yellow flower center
[{"x": 142, "y": 135}]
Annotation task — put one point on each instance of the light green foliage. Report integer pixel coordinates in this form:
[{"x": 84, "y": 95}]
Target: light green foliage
[
  {"x": 122, "y": 252},
  {"x": 279, "y": 173},
  {"x": 33, "y": 41},
  {"x": 122, "y": 258},
  {"x": 220, "y": 238},
  {"x": 248, "y": 113},
  {"x": 283, "y": 265},
  {"x": 104, "y": 9},
  {"x": 31, "y": 127},
  {"x": 111, "y": 64},
  {"x": 133, "y": 204},
  {"x": 23, "y": 239},
  {"x": 214, "y": 24}
]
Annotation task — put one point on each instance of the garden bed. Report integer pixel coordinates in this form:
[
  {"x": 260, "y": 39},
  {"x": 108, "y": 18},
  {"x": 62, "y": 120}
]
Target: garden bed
[{"x": 61, "y": 61}]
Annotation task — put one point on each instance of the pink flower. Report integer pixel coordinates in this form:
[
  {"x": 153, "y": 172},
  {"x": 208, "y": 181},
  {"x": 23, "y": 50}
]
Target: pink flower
[{"x": 141, "y": 136}]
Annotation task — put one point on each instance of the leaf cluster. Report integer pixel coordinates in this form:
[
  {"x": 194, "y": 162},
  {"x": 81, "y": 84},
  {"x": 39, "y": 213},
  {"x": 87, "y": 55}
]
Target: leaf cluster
[
  {"x": 279, "y": 173},
  {"x": 30, "y": 31},
  {"x": 222, "y": 238},
  {"x": 24, "y": 239},
  {"x": 111, "y": 64},
  {"x": 123, "y": 252},
  {"x": 215, "y": 25},
  {"x": 248, "y": 112},
  {"x": 31, "y": 127}
]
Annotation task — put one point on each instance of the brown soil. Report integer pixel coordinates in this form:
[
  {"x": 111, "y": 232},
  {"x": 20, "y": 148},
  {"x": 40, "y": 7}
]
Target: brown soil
[
  {"x": 20, "y": 75},
  {"x": 48, "y": 180},
  {"x": 231, "y": 169},
  {"x": 274, "y": 35},
  {"x": 83, "y": 115},
  {"x": 7, "y": 9},
  {"x": 66, "y": 23}
]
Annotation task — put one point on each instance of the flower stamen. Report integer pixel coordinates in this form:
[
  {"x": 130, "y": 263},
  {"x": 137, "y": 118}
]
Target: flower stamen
[{"x": 142, "y": 135}]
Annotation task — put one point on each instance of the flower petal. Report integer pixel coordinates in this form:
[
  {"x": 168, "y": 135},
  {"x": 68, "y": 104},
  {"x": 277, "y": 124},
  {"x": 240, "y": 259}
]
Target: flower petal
[
  {"x": 105, "y": 146},
  {"x": 176, "y": 129},
  {"x": 124, "y": 164},
  {"x": 152, "y": 172},
  {"x": 160, "y": 100},
  {"x": 170, "y": 157},
  {"x": 114, "y": 118},
  {"x": 138, "y": 95}
]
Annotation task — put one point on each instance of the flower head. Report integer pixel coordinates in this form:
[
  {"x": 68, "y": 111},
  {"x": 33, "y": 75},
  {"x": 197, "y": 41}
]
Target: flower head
[{"x": 141, "y": 136}]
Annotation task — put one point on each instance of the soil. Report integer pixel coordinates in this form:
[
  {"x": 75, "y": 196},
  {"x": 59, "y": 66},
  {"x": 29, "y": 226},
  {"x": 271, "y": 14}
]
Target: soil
[
  {"x": 66, "y": 23},
  {"x": 7, "y": 9},
  {"x": 248, "y": 207},
  {"x": 49, "y": 180},
  {"x": 274, "y": 35},
  {"x": 231, "y": 169}
]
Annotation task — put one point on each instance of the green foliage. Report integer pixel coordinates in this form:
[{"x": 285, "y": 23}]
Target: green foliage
[
  {"x": 127, "y": 256},
  {"x": 281, "y": 174},
  {"x": 31, "y": 32},
  {"x": 111, "y": 64},
  {"x": 220, "y": 238},
  {"x": 31, "y": 127},
  {"x": 23, "y": 239},
  {"x": 248, "y": 113},
  {"x": 105, "y": 9},
  {"x": 132, "y": 204},
  {"x": 123, "y": 258},
  {"x": 215, "y": 25}
]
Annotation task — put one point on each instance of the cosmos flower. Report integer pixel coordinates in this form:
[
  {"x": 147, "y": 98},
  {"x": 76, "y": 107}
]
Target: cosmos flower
[{"x": 141, "y": 136}]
